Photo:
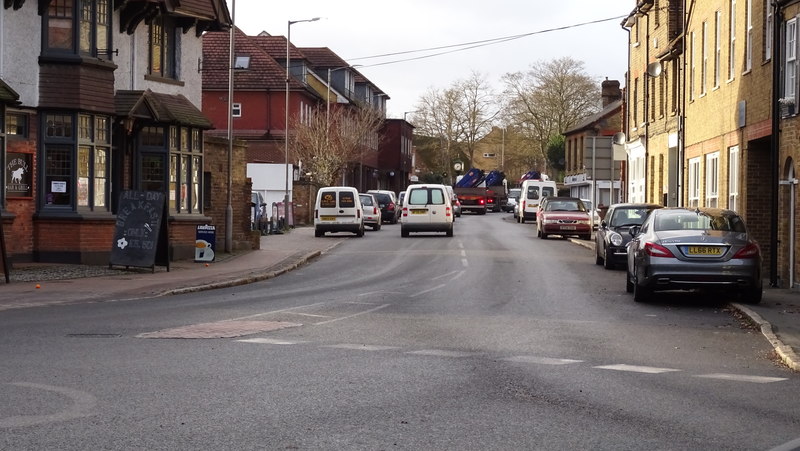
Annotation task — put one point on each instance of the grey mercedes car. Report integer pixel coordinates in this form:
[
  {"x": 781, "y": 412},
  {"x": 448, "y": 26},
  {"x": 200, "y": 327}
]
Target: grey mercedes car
[{"x": 693, "y": 248}]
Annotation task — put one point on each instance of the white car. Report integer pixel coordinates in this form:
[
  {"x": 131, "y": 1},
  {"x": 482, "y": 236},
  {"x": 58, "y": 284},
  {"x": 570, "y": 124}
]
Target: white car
[
  {"x": 595, "y": 215},
  {"x": 426, "y": 208},
  {"x": 338, "y": 209},
  {"x": 372, "y": 212}
]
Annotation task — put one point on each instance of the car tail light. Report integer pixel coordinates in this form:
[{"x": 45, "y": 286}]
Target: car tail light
[
  {"x": 374, "y": 210},
  {"x": 405, "y": 211},
  {"x": 447, "y": 211},
  {"x": 481, "y": 201},
  {"x": 749, "y": 251},
  {"x": 657, "y": 250}
]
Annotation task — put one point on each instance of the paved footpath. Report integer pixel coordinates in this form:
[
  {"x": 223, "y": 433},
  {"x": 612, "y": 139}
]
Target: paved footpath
[{"x": 33, "y": 285}]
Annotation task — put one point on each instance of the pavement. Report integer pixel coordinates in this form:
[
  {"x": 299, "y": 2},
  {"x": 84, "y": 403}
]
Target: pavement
[{"x": 39, "y": 284}]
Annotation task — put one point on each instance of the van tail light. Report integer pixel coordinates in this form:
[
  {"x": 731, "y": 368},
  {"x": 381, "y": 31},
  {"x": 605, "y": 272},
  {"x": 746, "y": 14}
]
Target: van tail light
[
  {"x": 405, "y": 211},
  {"x": 316, "y": 214},
  {"x": 749, "y": 251},
  {"x": 448, "y": 211},
  {"x": 523, "y": 205},
  {"x": 358, "y": 214},
  {"x": 657, "y": 250}
]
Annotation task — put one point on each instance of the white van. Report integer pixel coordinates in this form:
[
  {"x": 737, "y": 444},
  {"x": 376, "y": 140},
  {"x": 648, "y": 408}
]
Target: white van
[
  {"x": 531, "y": 193},
  {"x": 426, "y": 208},
  {"x": 338, "y": 209}
]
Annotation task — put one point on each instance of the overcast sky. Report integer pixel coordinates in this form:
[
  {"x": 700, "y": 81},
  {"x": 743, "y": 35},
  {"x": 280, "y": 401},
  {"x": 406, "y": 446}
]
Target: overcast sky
[{"x": 355, "y": 29}]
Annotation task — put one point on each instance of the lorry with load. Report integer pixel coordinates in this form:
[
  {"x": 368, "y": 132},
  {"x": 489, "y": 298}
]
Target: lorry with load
[{"x": 480, "y": 192}]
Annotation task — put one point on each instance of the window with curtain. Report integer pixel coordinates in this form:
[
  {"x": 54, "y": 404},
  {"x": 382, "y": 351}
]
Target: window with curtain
[{"x": 163, "y": 48}]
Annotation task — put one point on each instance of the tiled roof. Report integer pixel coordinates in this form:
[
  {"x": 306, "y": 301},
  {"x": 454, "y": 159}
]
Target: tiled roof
[
  {"x": 159, "y": 107},
  {"x": 323, "y": 57},
  {"x": 275, "y": 46},
  {"x": 8, "y": 95},
  {"x": 610, "y": 109},
  {"x": 264, "y": 73}
]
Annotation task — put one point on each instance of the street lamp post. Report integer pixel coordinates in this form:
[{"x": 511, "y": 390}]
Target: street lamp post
[
  {"x": 229, "y": 206},
  {"x": 286, "y": 150}
]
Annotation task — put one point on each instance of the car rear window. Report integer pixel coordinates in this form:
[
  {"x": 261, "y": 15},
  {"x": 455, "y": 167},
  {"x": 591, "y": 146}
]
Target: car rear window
[
  {"x": 629, "y": 216},
  {"x": 346, "y": 199},
  {"x": 700, "y": 221},
  {"x": 366, "y": 200},
  {"x": 383, "y": 198},
  {"x": 327, "y": 199},
  {"x": 426, "y": 196}
]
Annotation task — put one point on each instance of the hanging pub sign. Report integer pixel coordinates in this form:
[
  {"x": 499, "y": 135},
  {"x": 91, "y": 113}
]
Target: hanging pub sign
[{"x": 19, "y": 174}]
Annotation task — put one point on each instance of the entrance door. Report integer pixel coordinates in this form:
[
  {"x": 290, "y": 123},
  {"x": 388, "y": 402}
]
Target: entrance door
[{"x": 153, "y": 172}]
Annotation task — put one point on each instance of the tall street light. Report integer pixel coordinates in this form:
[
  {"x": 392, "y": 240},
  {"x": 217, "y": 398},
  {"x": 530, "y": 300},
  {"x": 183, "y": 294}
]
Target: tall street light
[
  {"x": 229, "y": 207},
  {"x": 286, "y": 151}
]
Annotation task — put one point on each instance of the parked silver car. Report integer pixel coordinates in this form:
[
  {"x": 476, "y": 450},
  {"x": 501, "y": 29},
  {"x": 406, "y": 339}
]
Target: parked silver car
[{"x": 693, "y": 248}]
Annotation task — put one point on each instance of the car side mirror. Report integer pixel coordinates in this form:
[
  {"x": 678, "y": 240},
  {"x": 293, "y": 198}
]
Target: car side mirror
[
  {"x": 603, "y": 224},
  {"x": 633, "y": 231}
]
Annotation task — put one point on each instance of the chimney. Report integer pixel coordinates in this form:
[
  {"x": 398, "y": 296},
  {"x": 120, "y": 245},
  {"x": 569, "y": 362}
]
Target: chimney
[{"x": 610, "y": 91}]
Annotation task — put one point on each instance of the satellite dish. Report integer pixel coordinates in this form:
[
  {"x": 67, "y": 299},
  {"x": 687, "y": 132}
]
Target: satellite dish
[
  {"x": 619, "y": 138},
  {"x": 654, "y": 69}
]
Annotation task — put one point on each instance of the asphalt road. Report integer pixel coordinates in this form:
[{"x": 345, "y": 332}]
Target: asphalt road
[{"x": 492, "y": 339}]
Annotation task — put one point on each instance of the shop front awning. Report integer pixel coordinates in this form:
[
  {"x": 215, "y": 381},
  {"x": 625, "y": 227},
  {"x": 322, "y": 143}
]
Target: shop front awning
[{"x": 154, "y": 107}]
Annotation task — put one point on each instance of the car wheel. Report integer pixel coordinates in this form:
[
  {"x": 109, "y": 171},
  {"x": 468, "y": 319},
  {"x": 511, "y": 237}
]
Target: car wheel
[
  {"x": 607, "y": 261},
  {"x": 360, "y": 232},
  {"x": 450, "y": 231},
  {"x": 538, "y": 232},
  {"x": 628, "y": 283},
  {"x": 543, "y": 235},
  {"x": 640, "y": 293},
  {"x": 586, "y": 237},
  {"x": 377, "y": 226},
  {"x": 318, "y": 233},
  {"x": 403, "y": 233},
  {"x": 753, "y": 295},
  {"x": 598, "y": 260},
  {"x": 521, "y": 219}
]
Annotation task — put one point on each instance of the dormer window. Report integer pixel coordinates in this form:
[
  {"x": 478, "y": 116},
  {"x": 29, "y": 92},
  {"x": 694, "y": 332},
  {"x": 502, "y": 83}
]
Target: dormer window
[
  {"x": 78, "y": 27},
  {"x": 242, "y": 62}
]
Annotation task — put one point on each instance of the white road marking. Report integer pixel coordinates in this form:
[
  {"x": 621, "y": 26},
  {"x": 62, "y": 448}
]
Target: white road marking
[
  {"x": 361, "y": 347},
  {"x": 276, "y": 311},
  {"x": 541, "y": 360},
  {"x": 637, "y": 369},
  {"x": 444, "y": 275},
  {"x": 83, "y": 405},
  {"x": 370, "y": 292},
  {"x": 427, "y": 291},
  {"x": 794, "y": 445},
  {"x": 442, "y": 353},
  {"x": 464, "y": 263},
  {"x": 353, "y": 315},
  {"x": 309, "y": 314},
  {"x": 270, "y": 341},
  {"x": 742, "y": 378},
  {"x": 458, "y": 276},
  {"x": 463, "y": 253}
]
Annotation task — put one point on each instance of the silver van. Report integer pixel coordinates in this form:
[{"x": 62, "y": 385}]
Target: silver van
[
  {"x": 338, "y": 209},
  {"x": 426, "y": 208}
]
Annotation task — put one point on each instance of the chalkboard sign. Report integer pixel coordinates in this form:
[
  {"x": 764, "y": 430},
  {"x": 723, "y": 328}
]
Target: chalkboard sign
[{"x": 141, "y": 236}]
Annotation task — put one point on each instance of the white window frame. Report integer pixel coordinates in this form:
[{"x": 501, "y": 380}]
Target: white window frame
[
  {"x": 769, "y": 23},
  {"x": 704, "y": 60},
  {"x": 693, "y": 182},
  {"x": 733, "y": 178},
  {"x": 790, "y": 65},
  {"x": 748, "y": 37},
  {"x": 693, "y": 66},
  {"x": 717, "y": 48},
  {"x": 712, "y": 180},
  {"x": 236, "y": 109},
  {"x": 732, "y": 42}
]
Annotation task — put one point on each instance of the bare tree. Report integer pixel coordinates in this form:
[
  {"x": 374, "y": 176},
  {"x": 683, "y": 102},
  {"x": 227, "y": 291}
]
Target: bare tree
[
  {"x": 550, "y": 98},
  {"x": 477, "y": 109},
  {"x": 326, "y": 143}
]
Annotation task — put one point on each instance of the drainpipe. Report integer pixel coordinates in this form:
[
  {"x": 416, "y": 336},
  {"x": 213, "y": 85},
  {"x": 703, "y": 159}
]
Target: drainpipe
[
  {"x": 775, "y": 141},
  {"x": 623, "y": 190}
]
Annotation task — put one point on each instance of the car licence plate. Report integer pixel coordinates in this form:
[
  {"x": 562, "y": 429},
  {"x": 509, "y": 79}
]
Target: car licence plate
[
  {"x": 418, "y": 212},
  {"x": 567, "y": 227},
  {"x": 327, "y": 218},
  {"x": 704, "y": 250}
]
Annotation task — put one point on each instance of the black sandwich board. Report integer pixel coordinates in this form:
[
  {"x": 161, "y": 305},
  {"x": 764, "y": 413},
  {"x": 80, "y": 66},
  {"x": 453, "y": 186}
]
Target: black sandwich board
[
  {"x": 141, "y": 237},
  {"x": 3, "y": 254}
]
